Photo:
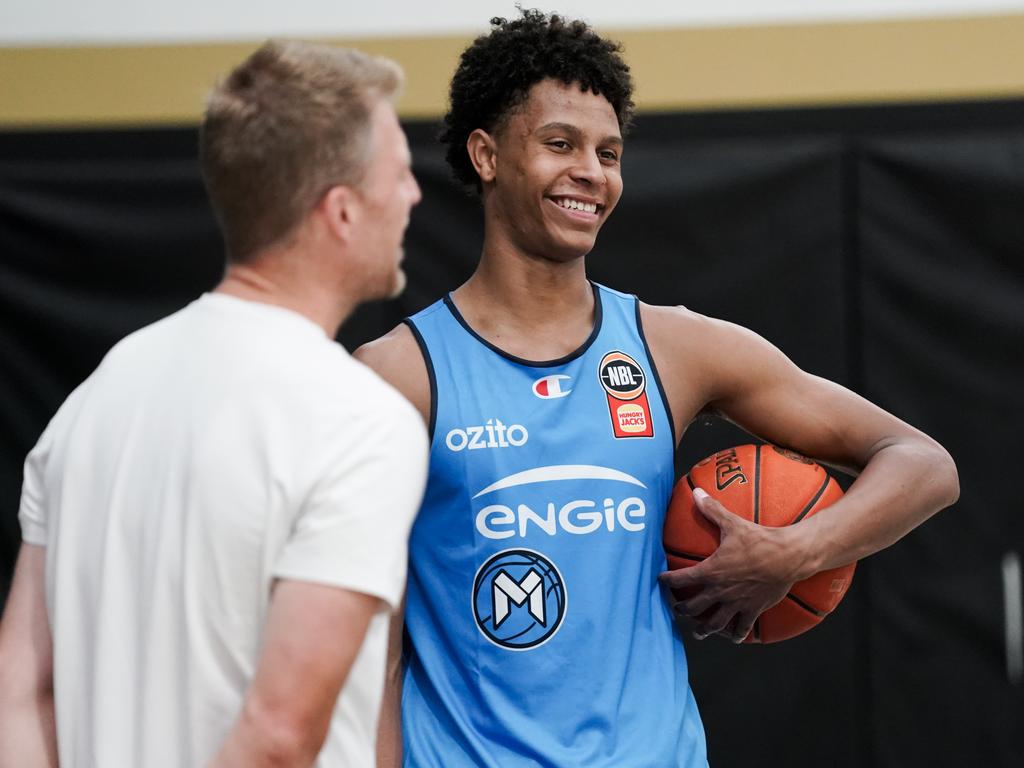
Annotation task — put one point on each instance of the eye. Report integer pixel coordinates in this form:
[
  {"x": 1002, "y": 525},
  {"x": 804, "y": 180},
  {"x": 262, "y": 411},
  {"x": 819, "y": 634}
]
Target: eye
[
  {"x": 609, "y": 155},
  {"x": 560, "y": 144}
]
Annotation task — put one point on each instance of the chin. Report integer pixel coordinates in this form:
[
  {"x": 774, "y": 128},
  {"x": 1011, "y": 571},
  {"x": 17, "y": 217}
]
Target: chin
[
  {"x": 571, "y": 251},
  {"x": 398, "y": 282},
  {"x": 383, "y": 288}
]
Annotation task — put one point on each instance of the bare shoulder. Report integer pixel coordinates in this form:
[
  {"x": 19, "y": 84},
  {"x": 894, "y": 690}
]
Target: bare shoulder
[
  {"x": 683, "y": 341},
  {"x": 673, "y": 339},
  {"x": 683, "y": 337},
  {"x": 397, "y": 358},
  {"x": 667, "y": 323},
  {"x": 702, "y": 359},
  {"x": 680, "y": 326}
]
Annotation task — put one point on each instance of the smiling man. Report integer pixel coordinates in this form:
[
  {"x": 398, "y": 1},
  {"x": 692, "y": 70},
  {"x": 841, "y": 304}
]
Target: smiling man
[{"x": 537, "y": 630}]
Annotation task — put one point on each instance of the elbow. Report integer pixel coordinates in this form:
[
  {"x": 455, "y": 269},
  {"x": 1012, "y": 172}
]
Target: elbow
[
  {"x": 945, "y": 477},
  {"x": 954, "y": 482},
  {"x": 285, "y": 739},
  {"x": 22, "y": 692}
]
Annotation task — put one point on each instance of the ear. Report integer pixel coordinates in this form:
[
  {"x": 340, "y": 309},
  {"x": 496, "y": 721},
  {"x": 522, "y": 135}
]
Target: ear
[
  {"x": 339, "y": 211},
  {"x": 483, "y": 153}
]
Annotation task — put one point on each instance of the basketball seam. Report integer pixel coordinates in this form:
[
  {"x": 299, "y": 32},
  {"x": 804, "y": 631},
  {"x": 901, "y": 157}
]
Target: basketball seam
[
  {"x": 806, "y": 607},
  {"x": 812, "y": 502},
  {"x": 687, "y": 555},
  {"x": 757, "y": 484}
]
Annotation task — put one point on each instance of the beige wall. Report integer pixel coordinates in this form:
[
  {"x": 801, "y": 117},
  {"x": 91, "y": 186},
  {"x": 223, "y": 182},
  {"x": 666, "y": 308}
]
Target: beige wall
[{"x": 675, "y": 69}]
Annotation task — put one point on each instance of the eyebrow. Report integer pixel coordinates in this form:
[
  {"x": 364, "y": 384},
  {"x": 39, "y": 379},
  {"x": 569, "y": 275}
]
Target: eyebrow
[{"x": 576, "y": 132}]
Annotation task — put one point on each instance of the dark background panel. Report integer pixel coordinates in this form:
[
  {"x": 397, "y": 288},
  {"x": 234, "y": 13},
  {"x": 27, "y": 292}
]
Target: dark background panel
[
  {"x": 879, "y": 247},
  {"x": 943, "y": 288},
  {"x": 100, "y": 234},
  {"x": 675, "y": 239},
  {"x": 703, "y": 223}
]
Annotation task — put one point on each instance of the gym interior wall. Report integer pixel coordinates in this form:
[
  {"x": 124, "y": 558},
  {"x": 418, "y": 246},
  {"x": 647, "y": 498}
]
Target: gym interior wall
[
  {"x": 851, "y": 192},
  {"x": 877, "y": 246}
]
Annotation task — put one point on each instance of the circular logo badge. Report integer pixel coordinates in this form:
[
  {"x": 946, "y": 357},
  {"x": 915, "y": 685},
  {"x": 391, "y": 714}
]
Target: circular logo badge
[
  {"x": 621, "y": 376},
  {"x": 518, "y": 599}
]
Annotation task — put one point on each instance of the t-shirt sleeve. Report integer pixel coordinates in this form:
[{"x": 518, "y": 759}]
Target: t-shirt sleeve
[
  {"x": 32, "y": 510},
  {"x": 353, "y": 528}
]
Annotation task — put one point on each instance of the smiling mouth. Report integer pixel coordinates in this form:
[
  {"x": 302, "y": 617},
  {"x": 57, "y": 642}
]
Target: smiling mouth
[{"x": 572, "y": 204}]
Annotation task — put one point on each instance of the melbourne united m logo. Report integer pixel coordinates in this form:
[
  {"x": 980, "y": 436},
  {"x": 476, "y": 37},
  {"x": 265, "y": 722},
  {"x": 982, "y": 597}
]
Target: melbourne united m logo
[
  {"x": 506, "y": 590},
  {"x": 518, "y": 599}
]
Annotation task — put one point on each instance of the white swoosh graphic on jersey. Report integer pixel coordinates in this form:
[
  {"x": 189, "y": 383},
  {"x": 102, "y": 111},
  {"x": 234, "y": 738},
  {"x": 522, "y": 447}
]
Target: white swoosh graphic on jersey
[{"x": 561, "y": 472}]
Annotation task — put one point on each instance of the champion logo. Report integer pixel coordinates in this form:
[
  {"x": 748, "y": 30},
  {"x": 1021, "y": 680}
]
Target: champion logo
[{"x": 551, "y": 387}]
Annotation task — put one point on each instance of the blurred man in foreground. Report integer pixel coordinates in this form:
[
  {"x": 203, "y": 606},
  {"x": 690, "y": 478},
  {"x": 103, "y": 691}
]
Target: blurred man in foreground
[{"x": 212, "y": 533}]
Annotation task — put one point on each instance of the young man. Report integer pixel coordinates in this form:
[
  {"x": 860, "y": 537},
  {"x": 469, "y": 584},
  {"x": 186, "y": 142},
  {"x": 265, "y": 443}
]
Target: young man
[
  {"x": 537, "y": 632},
  {"x": 213, "y": 537}
]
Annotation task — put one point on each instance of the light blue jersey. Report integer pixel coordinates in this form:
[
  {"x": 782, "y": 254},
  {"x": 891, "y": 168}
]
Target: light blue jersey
[{"x": 537, "y": 631}]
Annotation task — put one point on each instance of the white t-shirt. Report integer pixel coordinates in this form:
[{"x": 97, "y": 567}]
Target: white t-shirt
[{"x": 227, "y": 445}]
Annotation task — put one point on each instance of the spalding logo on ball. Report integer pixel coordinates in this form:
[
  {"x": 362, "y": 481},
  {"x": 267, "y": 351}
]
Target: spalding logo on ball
[{"x": 768, "y": 486}]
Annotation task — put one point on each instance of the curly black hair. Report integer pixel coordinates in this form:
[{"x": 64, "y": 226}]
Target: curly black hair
[{"x": 496, "y": 72}]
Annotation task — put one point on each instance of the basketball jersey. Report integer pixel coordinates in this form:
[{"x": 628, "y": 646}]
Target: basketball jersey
[{"x": 537, "y": 634}]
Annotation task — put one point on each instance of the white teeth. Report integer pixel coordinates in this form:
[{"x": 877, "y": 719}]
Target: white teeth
[{"x": 576, "y": 205}]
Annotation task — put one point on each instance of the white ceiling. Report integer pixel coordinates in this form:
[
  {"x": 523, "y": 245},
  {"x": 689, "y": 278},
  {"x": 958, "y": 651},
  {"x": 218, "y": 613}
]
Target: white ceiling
[{"x": 29, "y": 22}]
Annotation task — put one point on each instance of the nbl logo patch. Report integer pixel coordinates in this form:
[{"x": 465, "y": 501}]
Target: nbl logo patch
[
  {"x": 625, "y": 384},
  {"x": 518, "y": 599}
]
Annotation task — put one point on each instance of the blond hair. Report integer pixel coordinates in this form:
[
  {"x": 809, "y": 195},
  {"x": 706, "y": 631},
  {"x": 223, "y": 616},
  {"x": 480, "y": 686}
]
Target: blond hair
[{"x": 282, "y": 128}]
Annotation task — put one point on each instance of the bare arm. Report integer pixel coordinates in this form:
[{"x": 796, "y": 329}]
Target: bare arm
[
  {"x": 28, "y": 736},
  {"x": 396, "y": 357},
  {"x": 389, "y": 730},
  {"x": 904, "y": 476},
  {"x": 312, "y": 636}
]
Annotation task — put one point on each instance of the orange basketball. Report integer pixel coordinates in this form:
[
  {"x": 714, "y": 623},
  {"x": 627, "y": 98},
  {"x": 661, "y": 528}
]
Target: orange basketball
[{"x": 768, "y": 486}]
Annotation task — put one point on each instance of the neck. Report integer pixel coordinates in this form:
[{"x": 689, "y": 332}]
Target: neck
[
  {"x": 536, "y": 309},
  {"x": 531, "y": 291},
  {"x": 282, "y": 280},
  {"x": 513, "y": 282}
]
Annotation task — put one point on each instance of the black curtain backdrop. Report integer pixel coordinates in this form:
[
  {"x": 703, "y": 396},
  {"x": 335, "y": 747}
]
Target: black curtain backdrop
[{"x": 879, "y": 247}]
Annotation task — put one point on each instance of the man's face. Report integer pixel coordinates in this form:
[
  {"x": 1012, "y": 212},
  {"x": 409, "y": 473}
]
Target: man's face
[
  {"x": 387, "y": 194},
  {"x": 558, "y": 173}
]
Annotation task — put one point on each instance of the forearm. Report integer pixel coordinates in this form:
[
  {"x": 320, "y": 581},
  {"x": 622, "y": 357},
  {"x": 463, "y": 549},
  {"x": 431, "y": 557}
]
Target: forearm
[
  {"x": 389, "y": 730},
  {"x": 28, "y": 736},
  {"x": 902, "y": 485},
  {"x": 312, "y": 636},
  {"x": 260, "y": 742}
]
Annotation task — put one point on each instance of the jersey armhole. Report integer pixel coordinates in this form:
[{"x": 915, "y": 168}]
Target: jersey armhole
[
  {"x": 430, "y": 374},
  {"x": 657, "y": 377}
]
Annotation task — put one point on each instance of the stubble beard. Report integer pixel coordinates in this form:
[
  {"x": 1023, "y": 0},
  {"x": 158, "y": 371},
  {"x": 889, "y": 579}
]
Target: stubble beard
[{"x": 398, "y": 283}]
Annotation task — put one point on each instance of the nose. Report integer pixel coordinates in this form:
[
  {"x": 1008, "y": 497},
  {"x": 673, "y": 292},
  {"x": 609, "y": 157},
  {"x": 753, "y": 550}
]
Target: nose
[{"x": 588, "y": 169}]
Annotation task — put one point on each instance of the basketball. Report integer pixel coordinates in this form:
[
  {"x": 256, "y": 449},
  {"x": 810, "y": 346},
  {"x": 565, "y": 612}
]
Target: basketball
[{"x": 766, "y": 485}]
